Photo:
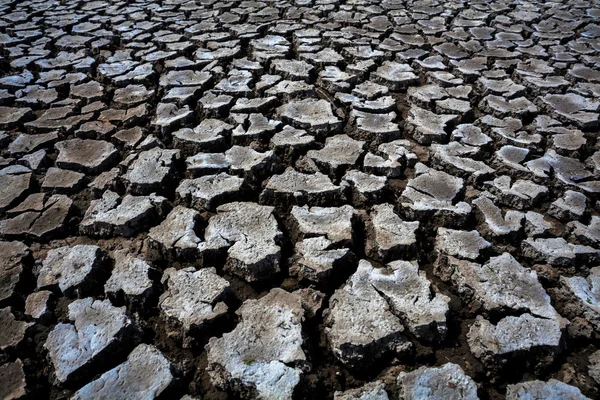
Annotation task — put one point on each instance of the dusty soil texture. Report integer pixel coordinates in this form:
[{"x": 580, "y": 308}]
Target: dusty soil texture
[{"x": 299, "y": 199}]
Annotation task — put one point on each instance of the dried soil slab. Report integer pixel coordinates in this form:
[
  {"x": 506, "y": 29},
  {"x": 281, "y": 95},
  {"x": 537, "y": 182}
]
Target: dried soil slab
[
  {"x": 13, "y": 331},
  {"x": 209, "y": 135},
  {"x": 558, "y": 252},
  {"x": 567, "y": 170},
  {"x": 250, "y": 234},
  {"x": 11, "y": 116},
  {"x": 537, "y": 389},
  {"x": 215, "y": 104},
  {"x": 37, "y": 304},
  {"x": 501, "y": 107},
  {"x": 287, "y": 89},
  {"x": 391, "y": 159},
  {"x": 132, "y": 95},
  {"x": 12, "y": 381},
  {"x": 335, "y": 223},
  {"x": 269, "y": 47},
  {"x": 360, "y": 324},
  {"x": 567, "y": 141},
  {"x": 184, "y": 78},
  {"x": 261, "y": 104},
  {"x": 427, "y": 127},
  {"x": 35, "y": 161},
  {"x": 57, "y": 118},
  {"x": 169, "y": 116},
  {"x": 192, "y": 299},
  {"x": 375, "y": 128},
  {"x": 176, "y": 234},
  {"x": 509, "y": 131},
  {"x": 75, "y": 269},
  {"x": 502, "y": 87},
  {"x": 129, "y": 138},
  {"x": 451, "y": 51},
  {"x": 370, "y": 90},
  {"x": 236, "y": 84},
  {"x": 462, "y": 244},
  {"x": 585, "y": 234},
  {"x": 151, "y": 171},
  {"x": 443, "y": 78},
  {"x": 501, "y": 285},
  {"x": 470, "y": 135},
  {"x": 114, "y": 69},
  {"x": 573, "y": 108},
  {"x": 537, "y": 225},
  {"x": 129, "y": 277},
  {"x": 124, "y": 117},
  {"x": 16, "y": 184},
  {"x": 89, "y": 156},
  {"x": 36, "y": 96},
  {"x": 431, "y": 63},
  {"x": 459, "y": 159},
  {"x": 512, "y": 335},
  {"x": 317, "y": 259},
  {"x": 547, "y": 84},
  {"x": 323, "y": 58},
  {"x": 113, "y": 216},
  {"x": 570, "y": 207},
  {"x": 585, "y": 293},
  {"x": 388, "y": 236},
  {"x": 25, "y": 143},
  {"x": 316, "y": 116},
  {"x": 16, "y": 81},
  {"x": 181, "y": 95},
  {"x": 97, "y": 329},
  {"x": 370, "y": 391},
  {"x": 293, "y": 69},
  {"x": 340, "y": 153},
  {"x": 250, "y": 164},
  {"x": 335, "y": 80},
  {"x": 426, "y": 95},
  {"x": 521, "y": 194},
  {"x": 291, "y": 142},
  {"x": 292, "y": 187},
  {"x": 63, "y": 180},
  {"x": 37, "y": 218},
  {"x": 495, "y": 224},
  {"x": 370, "y": 108},
  {"x": 91, "y": 91},
  {"x": 210, "y": 191},
  {"x": 366, "y": 188},
  {"x": 261, "y": 356},
  {"x": 13, "y": 255},
  {"x": 446, "y": 382},
  {"x": 312, "y": 301},
  {"x": 260, "y": 128},
  {"x": 145, "y": 375},
  {"x": 511, "y": 158},
  {"x": 582, "y": 72},
  {"x": 433, "y": 194},
  {"x": 395, "y": 76},
  {"x": 410, "y": 296}
]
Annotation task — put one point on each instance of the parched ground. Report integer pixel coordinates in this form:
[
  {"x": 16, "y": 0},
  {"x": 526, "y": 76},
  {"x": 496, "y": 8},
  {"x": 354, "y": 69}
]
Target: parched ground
[{"x": 303, "y": 199}]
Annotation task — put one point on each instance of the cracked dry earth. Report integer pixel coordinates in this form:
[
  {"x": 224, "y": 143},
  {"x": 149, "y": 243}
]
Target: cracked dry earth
[{"x": 303, "y": 199}]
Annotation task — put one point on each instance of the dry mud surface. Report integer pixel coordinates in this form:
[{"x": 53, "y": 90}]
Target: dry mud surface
[{"x": 304, "y": 199}]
